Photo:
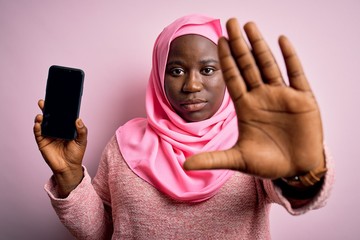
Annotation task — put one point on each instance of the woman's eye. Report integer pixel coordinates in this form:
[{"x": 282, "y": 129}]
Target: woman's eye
[
  {"x": 176, "y": 72},
  {"x": 208, "y": 71}
]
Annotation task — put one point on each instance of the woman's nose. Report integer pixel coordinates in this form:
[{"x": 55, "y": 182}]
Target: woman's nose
[{"x": 193, "y": 82}]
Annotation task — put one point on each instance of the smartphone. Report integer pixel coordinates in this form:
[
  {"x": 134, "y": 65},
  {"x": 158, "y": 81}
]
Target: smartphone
[{"x": 64, "y": 89}]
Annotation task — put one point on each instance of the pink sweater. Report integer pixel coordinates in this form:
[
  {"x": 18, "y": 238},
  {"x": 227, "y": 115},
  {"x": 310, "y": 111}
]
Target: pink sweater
[{"x": 120, "y": 205}]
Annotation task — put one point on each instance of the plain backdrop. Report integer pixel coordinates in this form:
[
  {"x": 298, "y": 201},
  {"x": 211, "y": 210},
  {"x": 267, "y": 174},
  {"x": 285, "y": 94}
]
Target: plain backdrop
[{"x": 112, "y": 42}]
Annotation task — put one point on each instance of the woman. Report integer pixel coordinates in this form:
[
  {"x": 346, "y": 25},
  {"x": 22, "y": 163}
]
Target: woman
[{"x": 146, "y": 186}]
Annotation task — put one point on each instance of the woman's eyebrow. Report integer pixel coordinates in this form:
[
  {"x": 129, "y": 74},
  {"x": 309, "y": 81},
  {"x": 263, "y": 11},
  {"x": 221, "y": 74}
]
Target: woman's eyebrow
[
  {"x": 209, "y": 61},
  {"x": 203, "y": 62},
  {"x": 175, "y": 62}
]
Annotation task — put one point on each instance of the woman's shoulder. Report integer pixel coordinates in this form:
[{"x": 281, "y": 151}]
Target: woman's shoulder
[
  {"x": 112, "y": 144},
  {"x": 111, "y": 154},
  {"x": 112, "y": 148}
]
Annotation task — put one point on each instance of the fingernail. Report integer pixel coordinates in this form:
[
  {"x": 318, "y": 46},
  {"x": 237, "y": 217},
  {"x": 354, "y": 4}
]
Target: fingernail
[{"x": 80, "y": 123}]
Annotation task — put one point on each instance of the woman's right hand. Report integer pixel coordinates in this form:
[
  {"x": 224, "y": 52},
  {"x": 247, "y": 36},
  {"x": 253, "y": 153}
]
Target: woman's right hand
[{"x": 64, "y": 157}]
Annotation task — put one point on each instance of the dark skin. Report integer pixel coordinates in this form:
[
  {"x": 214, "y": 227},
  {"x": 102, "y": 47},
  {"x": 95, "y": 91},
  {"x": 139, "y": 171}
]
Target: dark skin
[
  {"x": 63, "y": 157},
  {"x": 193, "y": 81},
  {"x": 280, "y": 130}
]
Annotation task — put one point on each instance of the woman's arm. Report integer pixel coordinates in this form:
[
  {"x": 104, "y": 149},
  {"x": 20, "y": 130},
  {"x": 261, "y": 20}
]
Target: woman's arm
[{"x": 82, "y": 212}]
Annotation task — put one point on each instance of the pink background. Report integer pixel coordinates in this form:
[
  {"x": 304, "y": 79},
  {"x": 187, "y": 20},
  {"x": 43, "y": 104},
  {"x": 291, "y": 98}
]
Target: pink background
[{"x": 112, "y": 42}]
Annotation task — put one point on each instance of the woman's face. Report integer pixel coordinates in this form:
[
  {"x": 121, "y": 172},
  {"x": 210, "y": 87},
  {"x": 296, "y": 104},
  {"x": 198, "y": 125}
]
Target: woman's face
[{"x": 193, "y": 80}]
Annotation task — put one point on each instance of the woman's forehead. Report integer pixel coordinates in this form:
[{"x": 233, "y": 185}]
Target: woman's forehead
[{"x": 191, "y": 42}]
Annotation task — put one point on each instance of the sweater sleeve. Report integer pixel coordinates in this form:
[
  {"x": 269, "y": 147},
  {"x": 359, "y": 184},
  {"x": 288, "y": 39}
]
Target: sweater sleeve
[
  {"x": 82, "y": 212},
  {"x": 86, "y": 212},
  {"x": 275, "y": 195}
]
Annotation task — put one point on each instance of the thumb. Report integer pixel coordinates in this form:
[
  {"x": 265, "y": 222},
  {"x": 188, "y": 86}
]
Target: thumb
[
  {"x": 228, "y": 159},
  {"x": 81, "y": 129}
]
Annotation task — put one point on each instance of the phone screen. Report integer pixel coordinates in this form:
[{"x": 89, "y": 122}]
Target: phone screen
[{"x": 62, "y": 102}]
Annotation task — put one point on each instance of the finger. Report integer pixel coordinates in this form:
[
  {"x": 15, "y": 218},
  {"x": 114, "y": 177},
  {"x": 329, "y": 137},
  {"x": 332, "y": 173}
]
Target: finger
[
  {"x": 37, "y": 132},
  {"x": 41, "y": 104},
  {"x": 38, "y": 118},
  {"x": 233, "y": 80},
  {"x": 228, "y": 159},
  {"x": 297, "y": 78},
  {"x": 263, "y": 55},
  {"x": 241, "y": 52},
  {"x": 37, "y": 125},
  {"x": 81, "y": 129}
]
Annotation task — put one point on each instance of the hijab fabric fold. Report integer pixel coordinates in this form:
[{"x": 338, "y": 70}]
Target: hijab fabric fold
[{"x": 156, "y": 147}]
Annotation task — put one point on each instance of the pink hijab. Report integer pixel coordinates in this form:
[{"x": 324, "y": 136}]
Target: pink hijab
[{"x": 155, "y": 148}]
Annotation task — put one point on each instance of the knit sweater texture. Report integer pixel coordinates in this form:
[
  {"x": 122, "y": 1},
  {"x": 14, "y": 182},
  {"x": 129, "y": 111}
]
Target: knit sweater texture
[{"x": 117, "y": 204}]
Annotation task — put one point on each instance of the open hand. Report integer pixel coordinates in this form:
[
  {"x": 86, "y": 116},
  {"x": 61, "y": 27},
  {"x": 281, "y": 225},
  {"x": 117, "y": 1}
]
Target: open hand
[{"x": 280, "y": 130}]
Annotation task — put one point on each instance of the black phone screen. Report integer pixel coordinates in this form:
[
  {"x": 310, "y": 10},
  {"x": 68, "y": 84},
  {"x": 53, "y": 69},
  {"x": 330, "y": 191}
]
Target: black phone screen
[{"x": 62, "y": 102}]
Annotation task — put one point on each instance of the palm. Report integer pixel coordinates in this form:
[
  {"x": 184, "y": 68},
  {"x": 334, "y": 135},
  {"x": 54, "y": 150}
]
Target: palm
[
  {"x": 280, "y": 132},
  {"x": 59, "y": 154},
  {"x": 275, "y": 132}
]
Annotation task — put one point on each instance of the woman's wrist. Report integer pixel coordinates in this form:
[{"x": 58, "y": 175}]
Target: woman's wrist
[
  {"x": 304, "y": 186},
  {"x": 68, "y": 181},
  {"x": 309, "y": 179},
  {"x": 298, "y": 192}
]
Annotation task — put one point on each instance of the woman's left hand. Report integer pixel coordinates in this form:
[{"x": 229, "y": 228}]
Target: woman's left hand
[{"x": 280, "y": 130}]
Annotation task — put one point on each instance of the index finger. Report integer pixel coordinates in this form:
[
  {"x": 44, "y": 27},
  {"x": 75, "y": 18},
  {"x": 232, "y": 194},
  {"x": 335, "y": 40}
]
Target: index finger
[{"x": 232, "y": 77}]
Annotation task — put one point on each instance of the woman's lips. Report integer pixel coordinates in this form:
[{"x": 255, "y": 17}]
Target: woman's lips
[{"x": 193, "y": 105}]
